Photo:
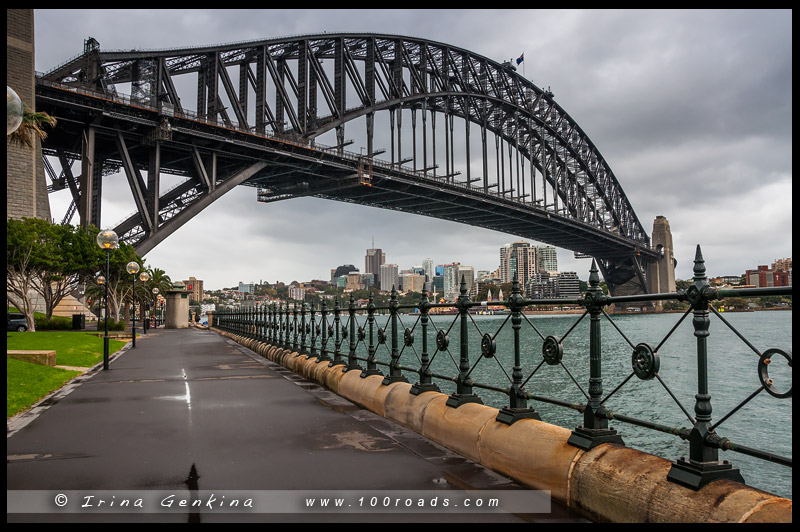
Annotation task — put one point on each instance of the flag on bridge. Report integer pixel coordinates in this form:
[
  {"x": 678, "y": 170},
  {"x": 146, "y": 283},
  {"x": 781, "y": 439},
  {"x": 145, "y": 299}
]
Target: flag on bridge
[{"x": 521, "y": 58}]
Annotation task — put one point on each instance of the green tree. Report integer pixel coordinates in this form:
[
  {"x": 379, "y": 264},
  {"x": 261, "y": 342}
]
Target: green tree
[
  {"x": 25, "y": 253},
  {"x": 70, "y": 258}
]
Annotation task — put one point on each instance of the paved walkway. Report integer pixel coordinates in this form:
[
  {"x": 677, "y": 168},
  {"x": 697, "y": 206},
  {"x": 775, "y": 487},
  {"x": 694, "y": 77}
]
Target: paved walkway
[{"x": 189, "y": 411}]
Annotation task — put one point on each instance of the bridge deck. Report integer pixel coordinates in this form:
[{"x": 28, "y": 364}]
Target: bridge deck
[{"x": 188, "y": 408}]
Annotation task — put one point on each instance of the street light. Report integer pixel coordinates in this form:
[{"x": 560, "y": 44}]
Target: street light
[
  {"x": 100, "y": 279},
  {"x": 144, "y": 277},
  {"x": 107, "y": 240},
  {"x": 133, "y": 268},
  {"x": 155, "y": 302},
  {"x": 14, "y": 111}
]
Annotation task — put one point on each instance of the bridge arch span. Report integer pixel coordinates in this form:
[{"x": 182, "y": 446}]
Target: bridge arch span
[{"x": 544, "y": 174}]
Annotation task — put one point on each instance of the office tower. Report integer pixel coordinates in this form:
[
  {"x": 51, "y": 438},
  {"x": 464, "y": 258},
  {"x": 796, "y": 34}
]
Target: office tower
[
  {"x": 518, "y": 261},
  {"x": 427, "y": 265},
  {"x": 548, "y": 260},
  {"x": 373, "y": 261},
  {"x": 389, "y": 277}
]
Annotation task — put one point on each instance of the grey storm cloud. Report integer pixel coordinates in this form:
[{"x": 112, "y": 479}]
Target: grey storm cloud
[{"x": 691, "y": 109}]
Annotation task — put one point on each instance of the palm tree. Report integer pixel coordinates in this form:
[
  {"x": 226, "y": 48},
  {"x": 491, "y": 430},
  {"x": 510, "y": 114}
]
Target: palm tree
[
  {"x": 158, "y": 279},
  {"x": 31, "y": 128}
]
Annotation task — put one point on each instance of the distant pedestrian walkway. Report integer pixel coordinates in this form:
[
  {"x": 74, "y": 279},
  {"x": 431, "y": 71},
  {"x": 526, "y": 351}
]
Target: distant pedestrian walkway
[{"x": 189, "y": 411}]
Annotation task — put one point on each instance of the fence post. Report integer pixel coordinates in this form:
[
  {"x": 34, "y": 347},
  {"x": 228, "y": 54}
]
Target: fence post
[
  {"x": 518, "y": 406},
  {"x": 595, "y": 429},
  {"x": 313, "y": 333},
  {"x": 337, "y": 321},
  {"x": 324, "y": 326},
  {"x": 303, "y": 348},
  {"x": 703, "y": 465},
  {"x": 464, "y": 383},
  {"x": 352, "y": 363},
  {"x": 295, "y": 345},
  {"x": 425, "y": 384},
  {"x": 372, "y": 368},
  {"x": 395, "y": 375}
]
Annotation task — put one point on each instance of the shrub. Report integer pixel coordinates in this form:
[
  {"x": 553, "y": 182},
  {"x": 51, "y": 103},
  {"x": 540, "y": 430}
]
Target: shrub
[
  {"x": 56, "y": 323},
  {"x": 115, "y": 325}
]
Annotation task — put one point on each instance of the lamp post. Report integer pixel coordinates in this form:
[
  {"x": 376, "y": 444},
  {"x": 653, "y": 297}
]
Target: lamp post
[
  {"x": 144, "y": 277},
  {"x": 133, "y": 268},
  {"x": 14, "y": 111},
  {"x": 155, "y": 307},
  {"x": 107, "y": 240},
  {"x": 100, "y": 279}
]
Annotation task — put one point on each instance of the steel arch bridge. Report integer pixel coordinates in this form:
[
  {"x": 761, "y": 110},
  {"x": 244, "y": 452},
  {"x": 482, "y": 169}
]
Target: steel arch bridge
[{"x": 509, "y": 157}]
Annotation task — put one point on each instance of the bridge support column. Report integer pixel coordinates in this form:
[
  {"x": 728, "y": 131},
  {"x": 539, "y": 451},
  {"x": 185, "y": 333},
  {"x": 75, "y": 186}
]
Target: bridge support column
[{"x": 661, "y": 273}]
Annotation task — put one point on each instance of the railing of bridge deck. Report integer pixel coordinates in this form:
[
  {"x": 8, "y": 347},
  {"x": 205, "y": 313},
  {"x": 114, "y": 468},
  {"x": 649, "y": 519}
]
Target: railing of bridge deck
[{"x": 310, "y": 335}]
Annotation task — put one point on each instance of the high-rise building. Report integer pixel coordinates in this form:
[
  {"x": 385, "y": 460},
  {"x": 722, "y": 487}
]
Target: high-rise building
[
  {"x": 451, "y": 280},
  {"x": 373, "y": 261},
  {"x": 412, "y": 282},
  {"x": 518, "y": 261},
  {"x": 342, "y": 271},
  {"x": 427, "y": 265},
  {"x": 541, "y": 285},
  {"x": 389, "y": 277},
  {"x": 547, "y": 258},
  {"x": 195, "y": 289},
  {"x": 437, "y": 285},
  {"x": 354, "y": 281},
  {"x": 468, "y": 274},
  {"x": 568, "y": 285}
]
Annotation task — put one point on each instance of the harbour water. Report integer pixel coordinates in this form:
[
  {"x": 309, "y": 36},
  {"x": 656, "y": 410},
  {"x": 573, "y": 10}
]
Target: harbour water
[{"x": 764, "y": 423}]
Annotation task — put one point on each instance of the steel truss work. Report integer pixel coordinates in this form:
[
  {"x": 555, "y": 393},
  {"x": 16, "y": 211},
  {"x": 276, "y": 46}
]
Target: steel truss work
[{"x": 261, "y": 105}]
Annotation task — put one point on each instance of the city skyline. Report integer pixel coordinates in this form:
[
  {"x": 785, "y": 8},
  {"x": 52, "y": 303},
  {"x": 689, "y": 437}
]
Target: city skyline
[{"x": 691, "y": 109}]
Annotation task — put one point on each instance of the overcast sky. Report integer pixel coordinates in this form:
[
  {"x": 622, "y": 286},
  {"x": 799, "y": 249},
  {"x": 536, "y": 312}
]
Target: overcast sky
[{"x": 692, "y": 110}]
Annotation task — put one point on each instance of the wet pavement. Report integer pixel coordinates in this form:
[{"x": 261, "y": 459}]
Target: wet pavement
[{"x": 189, "y": 412}]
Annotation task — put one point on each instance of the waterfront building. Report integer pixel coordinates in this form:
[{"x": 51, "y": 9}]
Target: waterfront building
[
  {"x": 427, "y": 265},
  {"x": 547, "y": 259},
  {"x": 518, "y": 261},
  {"x": 451, "y": 280},
  {"x": 568, "y": 285},
  {"x": 389, "y": 277},
  {"x": 541, "y": 285}
]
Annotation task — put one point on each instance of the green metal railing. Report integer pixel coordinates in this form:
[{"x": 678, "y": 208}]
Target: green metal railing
[{"x": 321, "y": 334}]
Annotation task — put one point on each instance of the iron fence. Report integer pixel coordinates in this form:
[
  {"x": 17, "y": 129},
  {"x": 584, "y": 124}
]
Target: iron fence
[{"x": 334, "y": 335}]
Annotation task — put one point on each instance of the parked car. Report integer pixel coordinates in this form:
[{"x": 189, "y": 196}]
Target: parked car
[{"x": 16, "y": 322}]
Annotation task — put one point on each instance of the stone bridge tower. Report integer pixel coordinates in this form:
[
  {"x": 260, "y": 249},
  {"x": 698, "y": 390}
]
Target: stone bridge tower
[
  {"x": 661, "y": 273},
  {"x": 26, "y": 188}
]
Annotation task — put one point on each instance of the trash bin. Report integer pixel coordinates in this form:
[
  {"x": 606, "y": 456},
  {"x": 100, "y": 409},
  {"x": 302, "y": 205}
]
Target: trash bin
[{"x": 78, "y": 322}]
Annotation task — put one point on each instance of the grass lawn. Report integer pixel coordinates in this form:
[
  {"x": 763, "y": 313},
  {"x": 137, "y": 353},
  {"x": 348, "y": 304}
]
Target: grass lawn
[
  {"x": 27, "y": 383},
  {"x": 73, "y": 348}
]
